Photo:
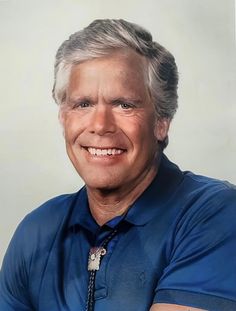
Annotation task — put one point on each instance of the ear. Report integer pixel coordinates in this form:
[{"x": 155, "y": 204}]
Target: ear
[
  {"x": 61, "y": 118},
  {"x": 162, "y": 128}
]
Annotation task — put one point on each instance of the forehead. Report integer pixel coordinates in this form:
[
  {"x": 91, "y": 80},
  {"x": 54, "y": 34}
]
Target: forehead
[{"x": 124, "y": 71}]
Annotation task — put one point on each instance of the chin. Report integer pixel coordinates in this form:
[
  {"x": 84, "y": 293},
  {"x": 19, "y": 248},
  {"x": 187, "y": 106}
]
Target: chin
[
  {"x": 107, "y": 190},
  {"x": 104, "y": 186},
  {"x": 104, "y": 179}
]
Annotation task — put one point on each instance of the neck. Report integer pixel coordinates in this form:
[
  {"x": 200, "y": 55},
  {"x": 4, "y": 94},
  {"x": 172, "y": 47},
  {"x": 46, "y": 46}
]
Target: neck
[{"x": 107, "y": 204}]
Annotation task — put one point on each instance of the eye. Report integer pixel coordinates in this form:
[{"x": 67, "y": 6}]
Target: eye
[
  {"x": 81, "y": 104},
  {"x": 126, "y": 105},
  {"x": 84, "y": 104}
]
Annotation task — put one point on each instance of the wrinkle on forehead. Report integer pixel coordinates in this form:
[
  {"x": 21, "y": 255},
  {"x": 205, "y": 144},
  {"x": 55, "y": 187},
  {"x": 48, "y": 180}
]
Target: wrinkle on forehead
[{"x": 120, "y": 72}]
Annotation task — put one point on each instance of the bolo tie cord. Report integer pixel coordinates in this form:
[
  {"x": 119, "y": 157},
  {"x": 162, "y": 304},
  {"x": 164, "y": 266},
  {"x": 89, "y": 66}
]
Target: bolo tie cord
[{"x": 95, "y": 256}]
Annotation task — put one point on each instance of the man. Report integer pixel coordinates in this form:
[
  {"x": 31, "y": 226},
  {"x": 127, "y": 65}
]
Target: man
[{"x": 141, "y": 234}]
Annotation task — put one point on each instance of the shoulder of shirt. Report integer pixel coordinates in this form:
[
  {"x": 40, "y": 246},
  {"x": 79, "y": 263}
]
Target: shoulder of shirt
[
  {"x": 209, "y": 185},
  {"x": 40, "y": 231},
  {"x": 196, "y": 185},
  {"x": 52, "y": 210},
  {"x": 45, "y": 222},
  {"x": 205, "y": 199}
]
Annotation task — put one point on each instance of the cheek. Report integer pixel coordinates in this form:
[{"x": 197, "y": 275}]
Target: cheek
[
  {"x": 141, "y": 134},
  {"x": 72, "y": 127}
]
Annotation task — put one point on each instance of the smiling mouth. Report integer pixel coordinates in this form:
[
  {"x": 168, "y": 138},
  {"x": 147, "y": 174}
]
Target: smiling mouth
[{"x": 105, "y": 151}]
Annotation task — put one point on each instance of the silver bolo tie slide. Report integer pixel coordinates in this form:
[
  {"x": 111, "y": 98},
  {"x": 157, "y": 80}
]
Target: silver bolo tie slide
[{"x": 95, "y": 255}]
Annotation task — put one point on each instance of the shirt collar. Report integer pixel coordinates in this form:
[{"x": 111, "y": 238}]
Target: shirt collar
[
  {"x": 145, "y": 207},
  {"x": 157, "y": 195},
  {"x": 81, "y": 214}
]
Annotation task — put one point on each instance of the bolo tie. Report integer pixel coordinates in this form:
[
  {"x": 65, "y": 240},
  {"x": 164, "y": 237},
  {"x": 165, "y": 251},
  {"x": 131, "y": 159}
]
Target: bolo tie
[{"x": 95, "y": 256}]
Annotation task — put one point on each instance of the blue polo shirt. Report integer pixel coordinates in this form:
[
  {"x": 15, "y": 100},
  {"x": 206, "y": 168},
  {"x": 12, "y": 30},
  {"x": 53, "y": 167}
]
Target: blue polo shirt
[{"x": 176, "y": 244}]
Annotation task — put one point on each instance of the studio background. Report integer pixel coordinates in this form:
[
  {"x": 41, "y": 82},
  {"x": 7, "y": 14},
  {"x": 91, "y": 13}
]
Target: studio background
[{"x": 34, "y": 164}]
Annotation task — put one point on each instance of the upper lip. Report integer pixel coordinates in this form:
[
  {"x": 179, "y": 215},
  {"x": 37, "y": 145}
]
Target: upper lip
[{"x": 104, "y": 147}]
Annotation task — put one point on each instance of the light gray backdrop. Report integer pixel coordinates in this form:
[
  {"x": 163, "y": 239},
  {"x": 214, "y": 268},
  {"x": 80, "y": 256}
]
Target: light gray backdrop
[{"x": 34, "y": 166}]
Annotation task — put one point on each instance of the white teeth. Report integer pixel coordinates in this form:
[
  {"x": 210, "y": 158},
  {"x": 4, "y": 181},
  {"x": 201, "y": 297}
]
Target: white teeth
[{"x": 104, "y": 152}]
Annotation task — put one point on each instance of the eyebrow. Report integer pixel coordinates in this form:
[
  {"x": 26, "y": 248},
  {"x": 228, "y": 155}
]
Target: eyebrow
[
  {"x": 74, "y": 100},
  {"x": 136, "y": 100},
  {"x": 126, "y": 99}
]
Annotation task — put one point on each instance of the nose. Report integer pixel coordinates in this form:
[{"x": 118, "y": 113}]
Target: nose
[{"x": 102, "y": 121}]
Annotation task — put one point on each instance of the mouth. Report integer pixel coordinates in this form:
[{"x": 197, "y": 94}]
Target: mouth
[{"x": 104, "y": 151}]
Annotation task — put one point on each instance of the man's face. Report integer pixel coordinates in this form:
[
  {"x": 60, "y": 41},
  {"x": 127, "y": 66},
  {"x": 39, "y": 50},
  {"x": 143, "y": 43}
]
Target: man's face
[{"x": 109, "y": 122}]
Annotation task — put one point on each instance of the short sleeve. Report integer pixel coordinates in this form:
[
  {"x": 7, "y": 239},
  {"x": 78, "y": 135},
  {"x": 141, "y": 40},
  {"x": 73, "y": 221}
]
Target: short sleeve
[
  {"x": 202, "y": 267},
  {"x": 14, "y": 275}
]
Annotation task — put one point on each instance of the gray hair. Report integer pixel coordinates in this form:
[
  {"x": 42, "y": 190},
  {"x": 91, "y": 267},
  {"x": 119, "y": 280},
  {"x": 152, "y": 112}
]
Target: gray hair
[{"x": 101, "y": 38}]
